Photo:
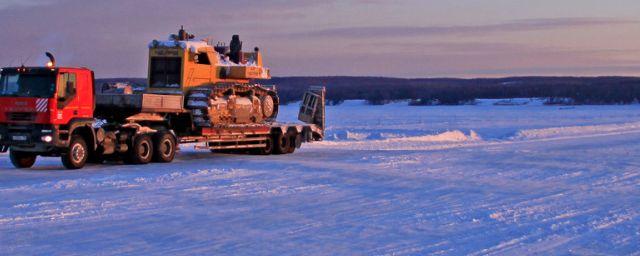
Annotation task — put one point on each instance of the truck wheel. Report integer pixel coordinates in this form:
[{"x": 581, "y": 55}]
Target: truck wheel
[
  {"x": 282, "y": 143},
  {"x": 165, "y": 147},
  {"x": 293, "y": 141},
  {"x": 267, "y": 150},
  {"x": 141, "y": 151},
  {"x": 22, "y": 159},
  {"x": 77, "y": 153}
]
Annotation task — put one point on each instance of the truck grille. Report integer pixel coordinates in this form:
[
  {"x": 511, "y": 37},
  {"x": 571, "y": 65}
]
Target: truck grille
[{"x": 21, "y": 116}]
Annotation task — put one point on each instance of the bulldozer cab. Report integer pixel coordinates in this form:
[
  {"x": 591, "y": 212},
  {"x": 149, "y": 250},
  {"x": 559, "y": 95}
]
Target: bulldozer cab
[{"x": 312, "y": 107}]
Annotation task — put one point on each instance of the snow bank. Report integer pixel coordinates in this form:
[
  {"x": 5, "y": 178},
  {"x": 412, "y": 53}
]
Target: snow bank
[
  {"x": 449, "y": 136},
  {"x": 511, "y": 102},
  {"x": 575, "y": 131}
]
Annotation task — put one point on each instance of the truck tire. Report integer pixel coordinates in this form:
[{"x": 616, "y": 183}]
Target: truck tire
[
  {"x": 22, "y": 160},
  {"x": 281, "y": 144},
  {"x": 164, "y": 144},
  {"x": 267, "y": 150},
  {"x": 77, "y": 153},
  {"x": 293, "y": 140},
  {"x": 141, "y": 150}
]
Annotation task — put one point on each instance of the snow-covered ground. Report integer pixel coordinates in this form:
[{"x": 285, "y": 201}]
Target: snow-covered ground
[{"x": 390, "y": 180}]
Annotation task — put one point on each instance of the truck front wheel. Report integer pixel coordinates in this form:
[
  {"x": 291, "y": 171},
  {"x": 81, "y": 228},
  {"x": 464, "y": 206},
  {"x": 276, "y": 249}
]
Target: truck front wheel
[
  {"x": 164, "y": 144},
  {"x": 22, "y": 159},
  {"x": 141, "y": 151},
  {"x": 77, "y": 153}
]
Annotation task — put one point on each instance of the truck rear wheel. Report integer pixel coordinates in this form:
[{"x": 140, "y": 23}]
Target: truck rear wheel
[
  {"x": 165, "y": 147},
  {"x": 141, "y": 150},
  {"x": 268, "y": 148},
  {"x": 282, "y": 143},
  {"x": 293, "y": 141},
  {"x": 22, "y": 160},
  {"x": 77, "y": 153}
]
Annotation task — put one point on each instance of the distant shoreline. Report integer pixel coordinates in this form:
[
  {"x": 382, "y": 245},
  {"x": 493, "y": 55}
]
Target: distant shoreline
[{"x": 559, "y": 90}]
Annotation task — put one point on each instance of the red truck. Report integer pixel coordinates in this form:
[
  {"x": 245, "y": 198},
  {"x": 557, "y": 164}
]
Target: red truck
[{"x": 55, "y": 112}]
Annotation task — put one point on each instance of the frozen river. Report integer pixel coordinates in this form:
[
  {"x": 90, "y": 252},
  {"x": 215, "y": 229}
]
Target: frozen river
[{"x": 390, "y": 180}]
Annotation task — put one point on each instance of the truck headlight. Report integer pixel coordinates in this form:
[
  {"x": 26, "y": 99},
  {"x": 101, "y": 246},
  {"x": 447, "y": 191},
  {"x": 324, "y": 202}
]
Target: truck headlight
[{"x": 47, "y": 138}]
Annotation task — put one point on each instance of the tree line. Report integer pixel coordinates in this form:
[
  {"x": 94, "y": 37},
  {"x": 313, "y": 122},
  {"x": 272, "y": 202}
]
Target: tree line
[
  {"x": 452, "y": 91},
  {"x": 449, "y": 91}
]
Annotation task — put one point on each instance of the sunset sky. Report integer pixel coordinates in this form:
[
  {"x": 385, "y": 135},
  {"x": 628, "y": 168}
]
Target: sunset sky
[{"x": 413, "y": 38}]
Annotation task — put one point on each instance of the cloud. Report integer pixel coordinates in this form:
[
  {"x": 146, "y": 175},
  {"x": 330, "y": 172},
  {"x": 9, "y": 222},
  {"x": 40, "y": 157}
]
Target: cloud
[
  {"x": 464, "y": 59},
  {"x": 104, "y": 34},
  {"x": 595, "y": 70},
  {"x": 9, "y": 4},
  {"x": 111, "y": 37},
  {"x": 512, "y": 26}
]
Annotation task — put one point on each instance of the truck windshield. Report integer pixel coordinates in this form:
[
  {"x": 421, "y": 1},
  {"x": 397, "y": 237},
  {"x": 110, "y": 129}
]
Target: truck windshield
[{"x": 27, "y": 85}]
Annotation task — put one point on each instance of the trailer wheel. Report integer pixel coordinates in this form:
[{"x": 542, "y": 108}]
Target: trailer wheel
[
  {"x": 267, "y": 150},
  {"x": 141, "y": 151},
  {"x": 282, "y": 143},
  {"x": 293, "y": 141},
  {"x": 77, "y": 153},
  {"x": 22, "y": 160},
  {"x": 165, "y": 147}
]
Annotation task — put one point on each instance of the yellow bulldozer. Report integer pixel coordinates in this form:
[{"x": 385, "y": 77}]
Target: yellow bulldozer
[{"x": 215, "y": 80}]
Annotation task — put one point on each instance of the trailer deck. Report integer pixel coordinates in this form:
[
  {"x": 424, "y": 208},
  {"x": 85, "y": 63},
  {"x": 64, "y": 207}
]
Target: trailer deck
[{"x": 249, "y": 135}]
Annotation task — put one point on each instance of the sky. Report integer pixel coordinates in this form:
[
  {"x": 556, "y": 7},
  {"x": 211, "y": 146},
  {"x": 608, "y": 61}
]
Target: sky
[{"x": 403, "y": 38}]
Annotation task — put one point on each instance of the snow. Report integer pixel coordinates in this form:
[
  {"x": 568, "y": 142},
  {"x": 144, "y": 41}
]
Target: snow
[
  {"x": 197, "y": 103},
  {"x": 198, "y": 95},
  {"x": 390, "y": 180},
  {"x": 193, "y": 46}
]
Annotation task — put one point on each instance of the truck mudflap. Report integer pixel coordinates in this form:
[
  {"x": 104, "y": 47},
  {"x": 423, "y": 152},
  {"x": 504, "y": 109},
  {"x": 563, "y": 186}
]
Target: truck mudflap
[{"x": 312, "y": 110}]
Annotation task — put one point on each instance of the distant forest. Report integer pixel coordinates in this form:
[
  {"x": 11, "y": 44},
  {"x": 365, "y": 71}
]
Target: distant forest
[{"x": 450, "y": 91}]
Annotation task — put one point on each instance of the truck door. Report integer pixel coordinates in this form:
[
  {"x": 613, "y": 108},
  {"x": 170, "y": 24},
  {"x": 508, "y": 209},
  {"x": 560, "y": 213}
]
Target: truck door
[
  {"x": 66, "y": 94},
  {"x": 84, "y": 91}
]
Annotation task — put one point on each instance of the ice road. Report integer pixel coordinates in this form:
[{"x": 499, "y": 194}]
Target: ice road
[{"x": 389, "y": 180}]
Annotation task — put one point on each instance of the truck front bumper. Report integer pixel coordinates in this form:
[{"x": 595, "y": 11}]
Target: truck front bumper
[{"x": 35, "y": 138}]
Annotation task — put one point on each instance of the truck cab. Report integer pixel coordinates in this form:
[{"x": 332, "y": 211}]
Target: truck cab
[{"x": 43, "y": 110}]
